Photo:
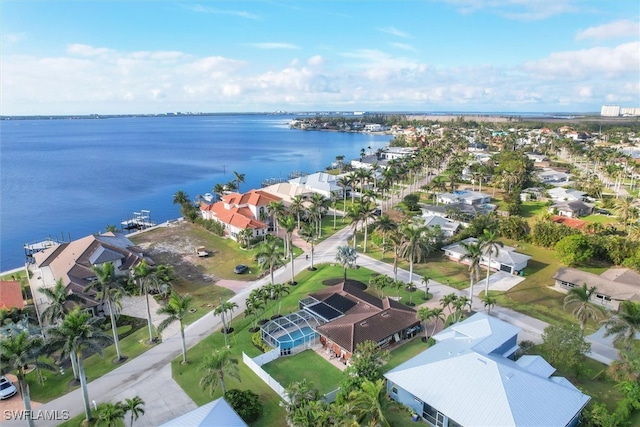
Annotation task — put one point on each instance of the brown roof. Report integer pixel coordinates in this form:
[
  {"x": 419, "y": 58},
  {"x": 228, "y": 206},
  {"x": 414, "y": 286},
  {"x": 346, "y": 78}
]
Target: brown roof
[
  {"x": 617, "y": 283},
  {"x": 578, "y": 224},
  {"x": 371, "y": 319},
  {"x": 11, "y": 294}
]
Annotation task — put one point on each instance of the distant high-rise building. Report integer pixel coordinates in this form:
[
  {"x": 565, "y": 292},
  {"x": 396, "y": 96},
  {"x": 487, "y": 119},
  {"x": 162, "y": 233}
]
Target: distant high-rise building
[
  {"x": 610, "y": 111},
  {"x": 630, "y": 111}
]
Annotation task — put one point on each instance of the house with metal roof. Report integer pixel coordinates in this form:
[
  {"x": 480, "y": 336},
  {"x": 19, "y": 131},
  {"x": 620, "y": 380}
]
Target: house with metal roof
[
  {"x": 448, "y": 227},
  {"x": 507, "y": 259},
  {"x": 612, "y": 287},
  {"x": 319, "y": 182},
  {"x": 469, "y": 378},
  {"x": 572, "y": 209},
  {"x": 217, "y": 413}
]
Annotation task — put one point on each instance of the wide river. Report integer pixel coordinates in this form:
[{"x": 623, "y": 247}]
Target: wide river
[{"x": 70, "y": 178}]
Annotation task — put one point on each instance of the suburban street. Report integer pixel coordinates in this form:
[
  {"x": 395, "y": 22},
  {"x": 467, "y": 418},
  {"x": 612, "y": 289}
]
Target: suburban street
[{"x": 149, "y": 375}]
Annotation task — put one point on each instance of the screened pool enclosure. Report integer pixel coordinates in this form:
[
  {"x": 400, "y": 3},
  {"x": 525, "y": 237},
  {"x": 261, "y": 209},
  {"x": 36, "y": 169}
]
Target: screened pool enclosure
[{"x": 291, "y": 333}]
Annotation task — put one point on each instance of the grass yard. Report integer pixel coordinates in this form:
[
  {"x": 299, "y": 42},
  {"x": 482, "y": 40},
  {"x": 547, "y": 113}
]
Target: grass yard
[
  {"x": 530, "y": 210},
  {"x": 95, "y": 366},
  {"x": 308, "y": 364},
  {"x": 601, "y": 219},
  {"x": 405, "y": 352}
]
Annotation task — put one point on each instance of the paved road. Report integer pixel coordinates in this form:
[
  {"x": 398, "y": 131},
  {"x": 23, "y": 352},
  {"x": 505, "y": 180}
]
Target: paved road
[{"x": 149, "y": 375}]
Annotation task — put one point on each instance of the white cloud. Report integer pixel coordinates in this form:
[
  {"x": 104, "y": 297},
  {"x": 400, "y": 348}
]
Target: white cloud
[
  {"x": 86, "y": 50},
  {"x": 617, "y": 29},
  {"x": 403, "y": 46},
  {"x": 198, "y": 8},
  {"x": 395, "y": 32},
  {"x": 13, "y": 38},
  {"x": 273, "y": 45},
  {"x": 525, "y": 10},
  {"x": 316, "y": 60}
]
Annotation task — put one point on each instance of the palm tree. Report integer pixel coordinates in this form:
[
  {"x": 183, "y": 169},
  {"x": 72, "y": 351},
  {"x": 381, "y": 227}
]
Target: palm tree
[
  {"x": 269, "y": 256},
  {"x": 491, "y": 246},
  {"x": 459, "y": 305},
  {"x": 17, "y": 352},
  {"x": 474, "y": 255},
  {"x": 625, "y": 323},
  {"x": 344, "y": 182},
  {"x": 299, "y": 394},
  {"x": 176, "y": 309},
  {"x": 415, "y": 246},
  {"x": 216, "y": 366},
  {"x": 384, "y": 224},
  {"x": 489, "y": 302},
  {"x": 59, "y": 301},
  {"x": 221, "y": 310},
  {"x": 110, "y": 414},
  {"x": 280, "y": 290},
  {"x": 135, "y": 405},
  {"x": 346, "y": 257},
  {"x": 254, "y": 306},
  {"x": 370, "y": 400},
  {"x": 109, "y": 290},
  {"x": 309, "y": 234},
  {"x": 425, "y": 281},
  {"x": 447, "y": 301},
  {"x": 437, "y": 314},
  {"x": 180, "y": 198},
  {"x": 275, "y": 210},
  {"x": 218, "y": 190},
  {"x": 289, "y": 225},
  {"x": 239, "y": 179},
  {"x": 367, "y": 210},
  {"x": 143, "y": 274},
  {"x": 580, "y": 298},
  {"x": 423, "y": 314},
  {"x": 319, "y": 205},
  {"x": 77, "y": 335},
  {"x": 296, "y": 207}
]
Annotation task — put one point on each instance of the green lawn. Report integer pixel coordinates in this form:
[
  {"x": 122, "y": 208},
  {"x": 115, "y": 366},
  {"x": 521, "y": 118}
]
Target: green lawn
[
  {"x": 405, "y": 352},
  {"x": 532, "y": 209},
  {"x": 308, "y": 364}
]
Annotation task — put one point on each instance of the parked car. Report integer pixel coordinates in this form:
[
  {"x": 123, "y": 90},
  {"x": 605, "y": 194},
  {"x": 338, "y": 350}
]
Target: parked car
[
  {"x": 240, "y": 268},
  {"x": 7, "y": 389}
]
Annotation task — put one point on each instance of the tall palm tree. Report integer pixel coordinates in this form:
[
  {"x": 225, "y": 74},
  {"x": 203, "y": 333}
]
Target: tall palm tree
[
  {"x": 60, "y": 302},
  {"x": 491, "y": 246},
  {"x": 367, "y": 210},
  {"x": 447, "y": 302},
  {"x": 299, "y": 394},
  {"x": 370, "y": 399},
  {"x": 216, "y": 366},
  {"x": 437, "y": 314},
  {"x": 415, "y": 245},
  {"x": 280, "y": 290},
  {"x": 180, "y": 198},
  {"x": 354, "y": 213},
  {"x": 143, "y": 274},
  {"x": 78, "y": 335},
  {"x": 109, "y": 290},
  {"x": 176, "y": 309},
  {"x": 474, "y": 255},
  {"x": 296, "y": 208},
  {"x": 423, "y": 314},
  {"x": 288, "y": 223},
  {"x": 275, "y": 210},
  {"x": 625, "y": 323},
  {"x": 580, "y": 299},
  {"x": 309, "y": 234},
  {"x": 221, "y": 310},
  {"x": 269, "y": 256},
  {"x": 346, "y": 257},
  {"x": 384, "y": 225},
  {"x": 459, "y": 305},
  {"x": 135, "y": 406},
  {"x": 110, "y": 414},
  {"x": 344, "y": 181},
  {"x": 239, "y": 179},
  {"x": 319, "y": 205},
  {"x": 425, "y": 281},
  {"x": 17, "y": 352}
]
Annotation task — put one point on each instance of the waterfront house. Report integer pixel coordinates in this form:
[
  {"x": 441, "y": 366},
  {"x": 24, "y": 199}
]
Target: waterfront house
[
  {"x": 11, "y": 295},
  {"x": 73, "y": 262},
  {"x": 319, "y": 182},
  {"x": 507, "y": 259},
  {"x": 469, "y": 378},
  {"x": 612, "y": 286},
  {"x": 238, "y": 212},
  {"x": 287, "y": 191}
]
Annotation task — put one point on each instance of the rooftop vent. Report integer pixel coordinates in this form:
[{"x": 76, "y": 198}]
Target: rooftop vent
[{"x": 363, "y": 323}]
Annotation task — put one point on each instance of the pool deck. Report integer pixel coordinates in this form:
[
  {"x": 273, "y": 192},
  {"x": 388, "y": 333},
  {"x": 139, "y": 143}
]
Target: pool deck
[{"x": 328, "y": 355}]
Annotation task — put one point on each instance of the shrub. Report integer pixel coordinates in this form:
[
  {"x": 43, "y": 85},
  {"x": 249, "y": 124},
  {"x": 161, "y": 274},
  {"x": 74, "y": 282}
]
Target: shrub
[
  {"x": 246, "y": 403},
  {"x": 256, "y": 339}
]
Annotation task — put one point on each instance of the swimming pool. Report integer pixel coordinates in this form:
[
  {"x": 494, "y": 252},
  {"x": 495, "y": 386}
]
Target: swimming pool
[{"x": 296, "y": 338}]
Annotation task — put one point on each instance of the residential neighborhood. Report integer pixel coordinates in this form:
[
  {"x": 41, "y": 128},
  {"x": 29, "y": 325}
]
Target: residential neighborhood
[{"x": 435, "y": 281}]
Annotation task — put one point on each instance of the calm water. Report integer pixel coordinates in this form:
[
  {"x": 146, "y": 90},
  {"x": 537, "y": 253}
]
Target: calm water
[{"x": 74, "y": 177}]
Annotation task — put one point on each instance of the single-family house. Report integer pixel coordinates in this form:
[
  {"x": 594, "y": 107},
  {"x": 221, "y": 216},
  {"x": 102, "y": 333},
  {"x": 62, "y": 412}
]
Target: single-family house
[
  {"x": 507, "y": 259},
  {"x": 531, "y": 193},
  {"x": 11, "y": 295},
  {"x": 238, "y": 212},
  {"x": 573, "y": 209},
  {"x": 72, "y": 263},
  {"x": 469, "y": 378},
  {"x": 349, "y": 316},
  {"x": 466, "y": 197},
  {"x": 217, "y": 413},
  {"x": 447, "y": 226},
  {"x": 612, "y": 286},
  {"x": 287, "y": 191},
  {"x": 537, "y": 157},
  {"x": 559, "y": 194},
  {"x": 319, "y": 182},
  {"x": 578, "y": 224}
]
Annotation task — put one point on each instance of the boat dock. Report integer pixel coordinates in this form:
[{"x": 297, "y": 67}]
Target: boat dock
[
  {"x": 140, "y": 221},
  {"x": 32, "y": 248},
  {"x": 270, "y": 181}
]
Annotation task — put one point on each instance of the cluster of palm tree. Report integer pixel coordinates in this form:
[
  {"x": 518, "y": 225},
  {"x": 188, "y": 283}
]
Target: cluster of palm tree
[
  {"x": 456, "y": 306},
  {"x": 113, "y": 414},
  {"x": 220, "y": 189},
  {"x": 365, "y": 406},
  {"x": 215, "y": 367},
  {"x": 424, "y": 314},
  {"x": 223, "y": 309},
  {"x": 259, "y": 301}
]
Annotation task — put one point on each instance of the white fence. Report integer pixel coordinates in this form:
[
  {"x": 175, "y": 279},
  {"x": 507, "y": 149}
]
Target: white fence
[
  {"x": 264, "y": 376},
  {"x": 267, "y": 357}
]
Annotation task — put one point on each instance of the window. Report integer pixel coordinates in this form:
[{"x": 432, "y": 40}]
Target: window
[
  {"x": 394, "y": 390},
  {"x": 567, "y": 285},
  {"x": 603, "y": 299}
]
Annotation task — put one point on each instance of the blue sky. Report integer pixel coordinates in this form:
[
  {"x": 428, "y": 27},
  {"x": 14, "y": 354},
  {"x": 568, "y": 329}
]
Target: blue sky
[{"x": 156, "y": 56}]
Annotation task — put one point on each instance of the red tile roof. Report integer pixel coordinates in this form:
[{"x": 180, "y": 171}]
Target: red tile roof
[
  {"x": 578, "y": 224},
  {"x": 11, "y": 294}
]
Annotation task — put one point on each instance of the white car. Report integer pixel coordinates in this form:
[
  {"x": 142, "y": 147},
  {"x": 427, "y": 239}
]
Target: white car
[{"x": 7, "y": 389}]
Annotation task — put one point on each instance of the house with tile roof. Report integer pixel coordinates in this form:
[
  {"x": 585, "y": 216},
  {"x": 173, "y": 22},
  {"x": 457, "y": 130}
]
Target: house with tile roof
[
  {"x": 11, "y": 295},
  {"x": 73, "y": 262},
  {"x": 349, "y": 316},
  {"x": 507, "y": 259},
  {"x": 238, "y": 212},
  {"x": 470, "y": 378},
  {"x": 612, "y": 287}
]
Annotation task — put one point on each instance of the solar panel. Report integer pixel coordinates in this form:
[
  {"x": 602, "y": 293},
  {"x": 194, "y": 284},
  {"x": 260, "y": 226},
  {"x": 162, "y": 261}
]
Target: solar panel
[
  {"x": 324, "y": 311},
  {"x": 340, "y": 303}
]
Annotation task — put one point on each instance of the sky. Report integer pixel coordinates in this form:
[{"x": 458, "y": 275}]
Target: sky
[{"x": 160, "y": 56}]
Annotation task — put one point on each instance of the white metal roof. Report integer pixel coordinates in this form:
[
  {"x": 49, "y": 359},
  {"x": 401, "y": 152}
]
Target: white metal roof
[
  {"x": 476, "y": 388},
  {"x": 217, "y": 413}
]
